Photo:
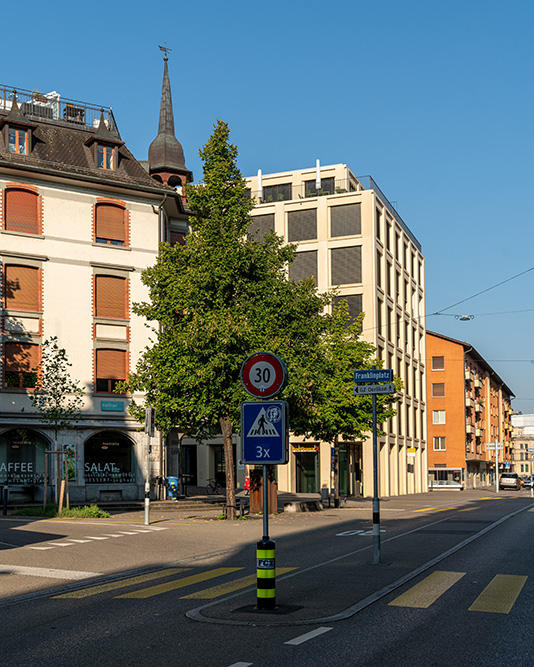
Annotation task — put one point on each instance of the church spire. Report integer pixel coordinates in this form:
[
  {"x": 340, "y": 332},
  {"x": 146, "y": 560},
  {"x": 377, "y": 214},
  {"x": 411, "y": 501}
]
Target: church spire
[{"x": 166, "y": 155}]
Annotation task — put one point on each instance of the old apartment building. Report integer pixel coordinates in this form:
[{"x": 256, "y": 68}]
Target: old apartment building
[
  {"x": 351, "y": 237},
  {"x": 469, "y": 406},
  {"x": 80, "y": 218}
]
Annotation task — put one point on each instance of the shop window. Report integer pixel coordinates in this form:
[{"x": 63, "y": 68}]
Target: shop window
[
  {"x": 110, "y": 224},
  {"x": 20, "y": 363},
  {"x": 110, "y": 369},
  {"x": 21, "y": 287},
  {"x": 22, "y": 457},
  {"x": 18, "y": 140},
  {"x": 109, "y": 459},
  {"x": 111, "y": 297},
  {"x": 21, "y": 211}
]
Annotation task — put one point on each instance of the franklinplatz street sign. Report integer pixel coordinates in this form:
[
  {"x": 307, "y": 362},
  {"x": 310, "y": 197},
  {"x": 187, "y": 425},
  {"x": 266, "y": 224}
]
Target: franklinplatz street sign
[{"x": 374, "y": 375}]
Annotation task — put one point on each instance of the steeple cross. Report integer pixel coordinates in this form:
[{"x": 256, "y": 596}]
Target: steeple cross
[{"x": 165, "y": 49}]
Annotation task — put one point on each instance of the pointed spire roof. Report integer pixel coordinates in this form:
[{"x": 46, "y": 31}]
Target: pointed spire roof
[
  {"x": 166, "y": 152},
  {"x": 15, "y": 115}
]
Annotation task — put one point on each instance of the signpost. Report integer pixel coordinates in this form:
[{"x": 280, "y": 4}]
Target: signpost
[
  {"x": 531, "y": 451},
  {"x": 374, "y": 375},
  {"x": 264, "y": 441},
  {"x": 494, "y": 447},
  {"x": 149, "y": 430}
]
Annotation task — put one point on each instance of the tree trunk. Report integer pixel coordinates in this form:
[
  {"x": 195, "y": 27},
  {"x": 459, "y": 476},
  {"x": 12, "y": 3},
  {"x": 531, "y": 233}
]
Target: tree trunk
[
  {"x": 226, "y": 430},
  {"x": 336, "y": 472}
]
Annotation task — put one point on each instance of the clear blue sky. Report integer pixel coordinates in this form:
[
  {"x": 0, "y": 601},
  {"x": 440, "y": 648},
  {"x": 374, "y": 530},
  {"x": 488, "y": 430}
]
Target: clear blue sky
[{"x": 434, "y": 100}]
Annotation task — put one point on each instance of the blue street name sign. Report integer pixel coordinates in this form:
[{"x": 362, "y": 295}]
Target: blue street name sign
[
  {"x": 264, "y": 432},
  {"x": 374, "y": 375}
]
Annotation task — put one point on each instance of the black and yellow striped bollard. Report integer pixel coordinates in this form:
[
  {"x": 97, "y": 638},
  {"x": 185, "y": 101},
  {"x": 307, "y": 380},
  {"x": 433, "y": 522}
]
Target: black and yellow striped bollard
[{"x": 266, "y": 574}]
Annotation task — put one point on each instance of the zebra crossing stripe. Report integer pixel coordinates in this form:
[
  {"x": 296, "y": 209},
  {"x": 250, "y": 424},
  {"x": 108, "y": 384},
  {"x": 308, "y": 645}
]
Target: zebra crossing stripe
[
  {"x": 123, "y": 583},
  {"x": 47, "y": 572},
  {"x": 180, "y": 583},
  {"x": 500, "y": 594},
  {"x": 231, "y": 586},
  {"x": 423, "y": 594}
]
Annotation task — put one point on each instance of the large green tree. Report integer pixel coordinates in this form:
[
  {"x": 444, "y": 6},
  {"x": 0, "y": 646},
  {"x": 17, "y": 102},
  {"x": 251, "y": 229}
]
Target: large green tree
[
  {"x": 218, "y": 299},
  {"x": 338, "y": 414}
]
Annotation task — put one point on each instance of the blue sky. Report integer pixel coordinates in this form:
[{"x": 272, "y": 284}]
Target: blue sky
[{"x": 434, "y": 100}]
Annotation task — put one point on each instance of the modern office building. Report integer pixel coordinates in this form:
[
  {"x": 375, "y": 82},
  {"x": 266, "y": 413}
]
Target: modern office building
[
  {"x": 351, "y": 237},
  {"x": 80, "y": 218},
  {"x": 469, "y": 406}
]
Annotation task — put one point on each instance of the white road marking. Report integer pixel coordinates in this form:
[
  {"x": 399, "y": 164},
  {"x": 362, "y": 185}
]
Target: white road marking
[
  {"x": 111, "y": 535},
  {"x": 241, "y": 664},
  {"x": 90, "y": 537},
  {"x": 307, "y": 636},
  {"x": 47, "y": 572},
  {"x": 349, "y": 532},
  {"x": 40, "y": 548},
  {"x": 125, "y": 532},
  {"x": 62, "y": 544},
  {"x": 79, "y": 541}
]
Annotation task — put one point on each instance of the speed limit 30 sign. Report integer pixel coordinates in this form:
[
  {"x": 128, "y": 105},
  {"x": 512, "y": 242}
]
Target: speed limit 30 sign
[{"x": 263, "y": 374}]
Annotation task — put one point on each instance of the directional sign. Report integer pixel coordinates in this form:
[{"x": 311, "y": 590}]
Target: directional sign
[
  {"x": 264, "y": 432},
  {"x": 263, "y": 374},
  {"x": 374, "y": 389},
  {"x": 530, "y": 449},
  {"x": 490, "y": 446},
  {"x": 374, "y": 375}
]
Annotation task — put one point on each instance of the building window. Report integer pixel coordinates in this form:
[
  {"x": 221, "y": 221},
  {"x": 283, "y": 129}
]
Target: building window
[
  {"x": 438, "y": 363},
  {"x": 440, "y": 444},
  {"x": 272, "y": 193},
  {"x": 346, "y": 265},
  {"x": 302, "y": 225},
  {"x": 304, "y": 266},
  {"x": 110, "y": 297},
  {"x": 354, "y": 302},
  {"x": 260, "y": 226},
  {"x": 438, "y": 389},
  {"x": 109, "y": 459},
  {"x": 346, "y": 220},
  {"x": 110, "y": 369},
  {"x": 21, "y": 211},
  {"x": 105, "y": 157},
  {"x": 20, "y": 362},
  {"x": 18, "y": 141},
  {"x": 110, "y": 224},
  {"x": 438, "y": 416},
  {"x": 327, "y": 187},
  {"x": 176, "y": 238},
  {"x": 21, "y": 287}
]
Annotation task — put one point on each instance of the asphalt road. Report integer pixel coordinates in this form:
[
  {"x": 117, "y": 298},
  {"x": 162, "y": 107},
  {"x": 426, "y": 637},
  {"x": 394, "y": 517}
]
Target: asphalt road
[{"x": 454, "y": 588}]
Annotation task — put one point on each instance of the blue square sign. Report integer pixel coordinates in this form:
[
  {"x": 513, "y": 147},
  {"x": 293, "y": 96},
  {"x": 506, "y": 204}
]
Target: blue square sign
[{"x": 264, "y": 432}]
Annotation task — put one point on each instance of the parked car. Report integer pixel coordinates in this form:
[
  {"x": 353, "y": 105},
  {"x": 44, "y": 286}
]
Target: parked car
[
  {"x": 527, "y": 483},
  {"x": 510, "y": 480}
]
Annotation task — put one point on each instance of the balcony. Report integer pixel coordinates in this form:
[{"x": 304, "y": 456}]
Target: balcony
[
  {"x": 469, "y": 377},
  {"x": 51, "y": 106},
  {"x": 479, "y": 407},
  {"x": 479, "y": 432},
  {"x": 469, "y": 402},
  {"x": 469, "y": 428},
  {"x": 478, "y": 384}
]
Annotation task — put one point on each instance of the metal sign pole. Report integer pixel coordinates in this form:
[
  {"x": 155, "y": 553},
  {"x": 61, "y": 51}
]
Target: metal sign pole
[
  {"x": 147, "y": 482},
  {"x": 376, "y": 501},
  {"x": 496, "y": 467}
]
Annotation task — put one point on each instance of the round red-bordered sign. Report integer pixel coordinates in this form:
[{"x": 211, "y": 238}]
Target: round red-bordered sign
[{"x": 263, "y": 374}]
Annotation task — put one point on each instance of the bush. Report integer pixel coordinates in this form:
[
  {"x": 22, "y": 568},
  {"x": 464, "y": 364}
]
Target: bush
[{"x": 51, "y": 510}]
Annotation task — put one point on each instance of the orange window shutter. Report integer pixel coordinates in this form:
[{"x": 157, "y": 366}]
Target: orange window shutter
[
  {"x": 21, "y": 356},
  {"x": 111, "y": 364},
  {"x": 110, "y": 297},
  {"x": 22, "y": 211},
  {"x": 22, "y": 287},
  {"x": 110, "y": 222}
]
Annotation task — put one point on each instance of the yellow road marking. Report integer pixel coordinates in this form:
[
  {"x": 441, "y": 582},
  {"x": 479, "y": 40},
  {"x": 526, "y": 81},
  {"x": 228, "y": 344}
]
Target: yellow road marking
[
  {"x": 423, "y": 594},
  {"x": 444, "y": 509},
  {"x": 500, "y": 594},
  {"x": 425, "y": 509},
  {"x": 95, "y": 590},
  {"x": 231, "y": 586},
  {"x": 470, "y": 509},
  {"x": 180, "y": 583}
]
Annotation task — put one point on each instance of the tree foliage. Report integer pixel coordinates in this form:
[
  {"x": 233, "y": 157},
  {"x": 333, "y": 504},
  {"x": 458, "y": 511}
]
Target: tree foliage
[{"x": 57, "y": 396}]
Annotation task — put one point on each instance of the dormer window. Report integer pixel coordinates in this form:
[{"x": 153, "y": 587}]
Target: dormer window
[
  {"x": 18, "y": 140},
  {"x": 105, "y": 158}
]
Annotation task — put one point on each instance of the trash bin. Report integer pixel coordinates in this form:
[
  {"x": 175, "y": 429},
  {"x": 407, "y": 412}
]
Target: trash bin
[{"x": 172, "y": 483}]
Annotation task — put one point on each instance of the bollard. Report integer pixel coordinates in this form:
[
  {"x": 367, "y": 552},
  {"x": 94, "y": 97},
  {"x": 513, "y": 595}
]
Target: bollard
[
  {"x": 266, "y": 574},
  {"x": 5, "y": 493}
]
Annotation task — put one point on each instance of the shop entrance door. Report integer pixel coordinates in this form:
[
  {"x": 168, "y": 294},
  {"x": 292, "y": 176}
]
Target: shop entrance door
[{"x": 307, "y": 464}]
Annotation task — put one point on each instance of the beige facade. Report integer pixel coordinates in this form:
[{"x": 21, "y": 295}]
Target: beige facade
[
  {"x": 523, "y": 441},
  {"x": 350, "y": 237},
  {"x": 57, "y": 273}
]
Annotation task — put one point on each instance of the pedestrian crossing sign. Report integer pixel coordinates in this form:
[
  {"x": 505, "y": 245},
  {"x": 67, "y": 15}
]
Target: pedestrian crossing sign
[{"x": 264, "y": 432}]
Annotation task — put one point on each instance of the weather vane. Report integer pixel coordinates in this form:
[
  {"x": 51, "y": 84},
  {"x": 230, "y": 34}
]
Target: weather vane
[{"x": 165, "y": 49}]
